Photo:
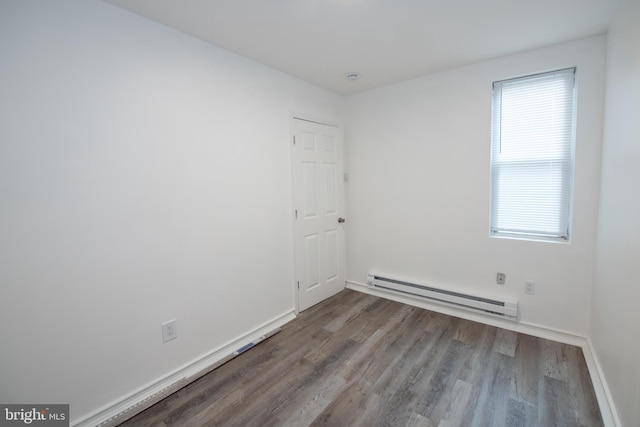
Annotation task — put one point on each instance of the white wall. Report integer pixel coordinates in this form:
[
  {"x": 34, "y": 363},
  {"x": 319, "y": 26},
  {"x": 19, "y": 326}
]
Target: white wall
[
  {"x": 418, "y": 196},
  {"x": 144, "y": 175},
  {"x": 615, "y": 318},
  {"x": 139, "y": 166}
]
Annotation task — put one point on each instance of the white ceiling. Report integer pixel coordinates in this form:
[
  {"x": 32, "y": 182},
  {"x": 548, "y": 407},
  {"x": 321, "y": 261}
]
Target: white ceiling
[{"x": 385, "y": 41}]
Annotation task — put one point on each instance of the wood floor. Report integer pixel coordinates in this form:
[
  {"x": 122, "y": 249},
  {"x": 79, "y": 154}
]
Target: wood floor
[{"x": 359, "y": 360}]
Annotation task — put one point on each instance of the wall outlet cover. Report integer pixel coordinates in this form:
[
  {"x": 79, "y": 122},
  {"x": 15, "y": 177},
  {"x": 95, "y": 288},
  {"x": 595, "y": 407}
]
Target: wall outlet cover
[
  {"x": 529, "y": 287},
  {"x": 169, "y": 330}
]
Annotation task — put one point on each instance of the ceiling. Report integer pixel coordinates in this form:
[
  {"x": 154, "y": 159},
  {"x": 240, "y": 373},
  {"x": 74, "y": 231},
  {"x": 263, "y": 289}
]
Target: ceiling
[{"x": 384, "y": 41}]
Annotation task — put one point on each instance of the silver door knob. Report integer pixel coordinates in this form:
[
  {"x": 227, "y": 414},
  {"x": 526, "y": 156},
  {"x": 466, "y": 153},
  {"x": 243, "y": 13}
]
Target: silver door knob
[{"x": 341, "y": 220}]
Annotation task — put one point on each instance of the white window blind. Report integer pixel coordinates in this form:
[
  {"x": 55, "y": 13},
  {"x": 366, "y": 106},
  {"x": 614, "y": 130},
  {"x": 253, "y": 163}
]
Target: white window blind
[{"x": 532, "y": 146}]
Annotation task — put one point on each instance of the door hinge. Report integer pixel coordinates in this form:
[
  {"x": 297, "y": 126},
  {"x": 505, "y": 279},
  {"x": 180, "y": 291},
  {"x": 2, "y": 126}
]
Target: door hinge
[
  {"x": 294, "y": 140},
  {"x": 296, "y": 213},
  {"x": 298, "y": 284}
]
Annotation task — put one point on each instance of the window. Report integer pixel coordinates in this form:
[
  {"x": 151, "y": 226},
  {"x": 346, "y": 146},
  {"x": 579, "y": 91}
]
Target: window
[{"x": 532, "y": 145}]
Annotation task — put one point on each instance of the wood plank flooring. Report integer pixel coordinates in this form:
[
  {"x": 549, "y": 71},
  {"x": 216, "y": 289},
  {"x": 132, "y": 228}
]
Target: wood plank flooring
[{"x": 360, "y": 360}]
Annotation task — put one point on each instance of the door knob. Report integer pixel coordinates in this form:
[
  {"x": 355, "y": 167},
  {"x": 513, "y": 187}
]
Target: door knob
[{"x": 341, "y": 220}]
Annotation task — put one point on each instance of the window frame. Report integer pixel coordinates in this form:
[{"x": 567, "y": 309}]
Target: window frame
[{"x": 566, "y": 161}]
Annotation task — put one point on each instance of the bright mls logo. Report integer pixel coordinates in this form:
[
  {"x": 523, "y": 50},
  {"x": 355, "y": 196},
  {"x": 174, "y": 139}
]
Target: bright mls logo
[{"x": 36, "y": 415}]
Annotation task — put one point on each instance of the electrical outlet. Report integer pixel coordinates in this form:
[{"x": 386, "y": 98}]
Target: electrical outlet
[
  {"x": 529, "y": 287},
  {"x": 501, "y": 278},
  {"x": 169, "y": 330}
]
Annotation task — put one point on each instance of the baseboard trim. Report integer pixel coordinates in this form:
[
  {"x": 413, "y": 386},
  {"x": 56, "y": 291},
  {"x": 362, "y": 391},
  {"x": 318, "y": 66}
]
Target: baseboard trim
[
  {"x": 138, "y": 400},
  {"x": 603, "y": 395},
  {"x": 558, "y": 335},
  {"x": 135, "y": 402}
]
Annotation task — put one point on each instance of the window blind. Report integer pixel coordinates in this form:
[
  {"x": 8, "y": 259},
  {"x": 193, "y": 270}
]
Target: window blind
[{"x": 532, "y": 146}]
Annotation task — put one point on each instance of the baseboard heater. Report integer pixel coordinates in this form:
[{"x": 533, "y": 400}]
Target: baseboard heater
[{"x": 502, "y": 307}]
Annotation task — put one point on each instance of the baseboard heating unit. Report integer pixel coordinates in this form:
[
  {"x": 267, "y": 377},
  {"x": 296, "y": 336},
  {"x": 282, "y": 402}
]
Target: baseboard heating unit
[{"x": 506, "y": 308}]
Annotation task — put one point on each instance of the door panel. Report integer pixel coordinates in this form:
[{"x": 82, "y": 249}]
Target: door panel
[
  {"x": 331, "y": 203},
  {"x": 332, "y": 254},
  {"x": 319, "y": 202},
  {"x": 311, "y": 258},
  {"x": 309, "y": 189}
]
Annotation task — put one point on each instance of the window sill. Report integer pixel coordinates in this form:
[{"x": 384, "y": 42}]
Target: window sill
[{"x": 530, "y": 238}]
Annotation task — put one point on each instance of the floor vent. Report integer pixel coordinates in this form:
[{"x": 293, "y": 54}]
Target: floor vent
[{"x": 502, "y": 307}]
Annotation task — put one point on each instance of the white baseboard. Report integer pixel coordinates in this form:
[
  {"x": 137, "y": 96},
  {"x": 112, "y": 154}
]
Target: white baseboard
[
  {"x": 162, "y": 387},
  {"x": 558, "y": 335},
  {"x": 603, "y": 395},
  {"x": 136, "y": 401}
]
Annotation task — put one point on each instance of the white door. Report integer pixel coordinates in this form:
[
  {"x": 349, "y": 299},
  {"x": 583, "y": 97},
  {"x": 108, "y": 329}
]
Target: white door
[{"x": 319, "y": 210}]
